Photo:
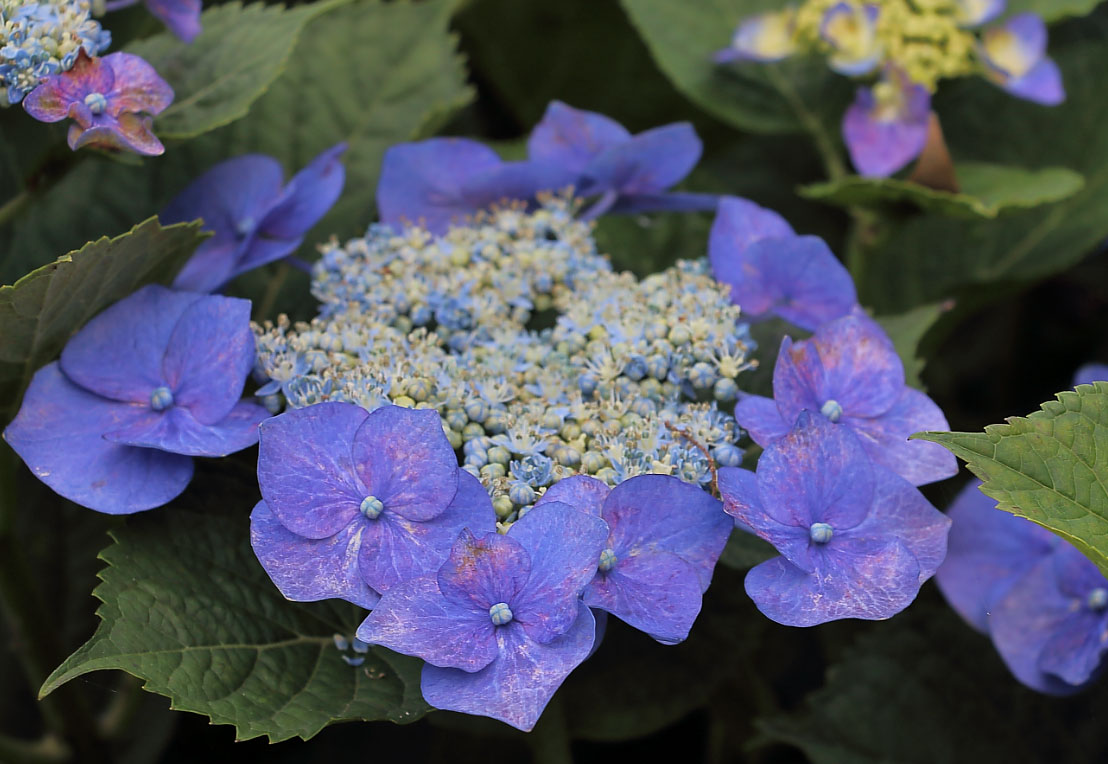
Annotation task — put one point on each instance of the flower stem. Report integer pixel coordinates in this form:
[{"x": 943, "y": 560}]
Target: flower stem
[{"x": 825, "y": 145}]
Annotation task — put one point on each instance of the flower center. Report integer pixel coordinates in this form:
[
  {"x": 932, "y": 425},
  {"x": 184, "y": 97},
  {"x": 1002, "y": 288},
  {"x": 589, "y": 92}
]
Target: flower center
[
  {"x": 500, "y": 614},
  {"x": 820, "y": 533},
  {"x": 372, "y": 507},
  {"x": 161, "y": 398},
  {"x": 608, "y": 560},
  {"x": 96, "y": 103},
  {"x": 831, "y": 409},
  {"x": 1098, "y": 598},
  {"x": 245, "y": 226}
]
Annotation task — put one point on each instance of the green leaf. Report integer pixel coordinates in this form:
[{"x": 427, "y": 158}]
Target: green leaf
[
  {"x": 1053, "y": 10},
  {"x": 907, "y": 330},
  {"x": 187, "y": 608},
  {"x": 923, "y": 689},
  {"x": 43, "y": 309},
  {"x": 987, "y": 190},
  {"x": 216, "y": 77},
  {"x": 790, "y": 96},
  {"x": 927, "y": 257},
  {"x": 1048, "y": 466}
]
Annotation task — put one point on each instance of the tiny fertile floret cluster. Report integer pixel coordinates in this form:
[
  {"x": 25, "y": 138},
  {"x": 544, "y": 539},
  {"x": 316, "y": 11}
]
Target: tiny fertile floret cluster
[
  {"x": 38, "y": 40},
  {"x": 625, "y": 378}
]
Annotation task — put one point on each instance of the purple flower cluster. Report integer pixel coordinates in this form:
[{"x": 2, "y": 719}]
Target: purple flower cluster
[
  {"x": 373, "y": 508},
  {"x": 256, "y": 220},
  {"x": 149, "y": 383},
  {"x": 436, "y": 181},
  {"x": 1042, "y": 602}
]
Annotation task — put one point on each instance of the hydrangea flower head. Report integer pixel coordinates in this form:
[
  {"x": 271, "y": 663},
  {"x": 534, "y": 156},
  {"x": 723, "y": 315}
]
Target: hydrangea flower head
[
  {"x": 664, "y": 537},
  {"x": 40, "y": 39},
  {"x": 886, "y": 126},
  {"x": 256, "y": 218},
  {"x": 630, "y": 173},
  {"x": 1015, "y": 58},
  {"x": 849, "y": 373},
  {"x": 856, "y": 540},
  {"x": 355, "y": 502},
  {"x": 501, "y": 623},
  {"x": 443, "y": 180},
  {"x": 146, "y": 384},
  {"x": 1042, "y": 602},
  {"x": 772, "y": 271},
  {"x": 109, "y": 99},
  {"x": 765, "y": 37},
  {"x": 850, "y": 28}
]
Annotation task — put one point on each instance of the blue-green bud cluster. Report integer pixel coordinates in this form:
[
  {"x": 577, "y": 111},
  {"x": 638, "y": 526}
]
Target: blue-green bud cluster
[
  {"x": 40, "y": 39},
  {"x": 542, "y": 361}
]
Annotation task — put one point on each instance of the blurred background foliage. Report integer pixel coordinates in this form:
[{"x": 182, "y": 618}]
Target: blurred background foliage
[{"x": 1000, "y": 307}]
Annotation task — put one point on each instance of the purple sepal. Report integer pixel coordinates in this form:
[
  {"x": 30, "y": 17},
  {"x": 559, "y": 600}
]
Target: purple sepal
[
  {"x": 1089, "y": 373},
  {"x": 182, "y": 17},
  {"x": 885, "y": 133},
  {"x": 1014, "y": 54},
  {"x": 176, "y": 430}
]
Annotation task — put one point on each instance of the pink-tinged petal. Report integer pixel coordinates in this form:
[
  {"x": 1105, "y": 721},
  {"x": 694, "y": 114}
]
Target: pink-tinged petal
[
  {"x": 421, "y": 182},
  {"x": 305, "y": 470},
  {"x": 866, "y": 582},
  {"x": 118, "y": 354},
  {"x": 817, "y": 473},
  {"x": 1024, "y": 621},
  {"x": 651, "y": 161},
  {"x": 176, "y": 430},
  {"x": 583, "y": 493},
  {"x": 481, "y": 572},
  {"x": 307, "y": 570},
  {"x": 798, "y": 382},
  {"x": 137, "y": 86},
  {"x": 564, "y": 546},
  {"x": 650, "y": 513},
  {"x": 211, "y": 266},
  {"x": 58, "y": 433},
  {"x": 656, "y": 592},
  {"x": 307, "y": 197},
  {"x": 400, "y": 549},
  {"x": 210, "y": 354},
  {"x": 414, "y": 618},
  {"x": 518, "y": 684},
  {"x": 50, "y": 101},
  {"x": 901, "y": 512},
  {"x": 987, "y": 552},
  {"x": 760, "y": 417},
  {"x": 1043, "y": 84},
  {"x": 404, "y": 459},
  {"x": 131, "y": 132},
  {"x": 885, "y": 439},
  {"x": 739, "y": 490},
  {"x": 738, "y": 224},
  {"x": 182, "y": 17},
  {"x": 573, "y": 137},
  {"x": 882, "y": 139}
]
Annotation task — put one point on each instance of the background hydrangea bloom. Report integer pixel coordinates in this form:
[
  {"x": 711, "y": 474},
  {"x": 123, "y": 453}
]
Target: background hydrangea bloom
[
  {"x": 772, "y": 271},
  {"x": 630, "y": 173},
  {"x": 851, "y": 31},
  {"x": 151, "y": 381},
  {"x": 501, "y": 625},
  {"x": 857, "y": 540},
  {"x": 849, "y": 372},
  {"x": 109, "y": 99},
  {"x": 1014, "y": 54},
  {"x": 256, "y": 220},
  {"x": 973, "y": 13},
  {"x": 1043, "y": 603},
  {"x": 765, "y": 37},
  {"x": 664, "y": 538},
  {"x": 355, "y": 499},
  {"x": 886, "y": 126}
]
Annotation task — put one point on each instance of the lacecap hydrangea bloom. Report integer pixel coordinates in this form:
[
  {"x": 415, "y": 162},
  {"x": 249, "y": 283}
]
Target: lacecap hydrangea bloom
[
  {"x": 856, "y": 539},
  {"x": 39, "y": 40},
  {"x": 437, "y": 181},
  {"x": 146, "y": 385},
  {"x": 908, "y": 47},
  {"x": 256, "y": 218},
  {"x": 1042, "y": 602},
  {"x": 849, "y": 373},
  {"x": 111, "y": 101}
]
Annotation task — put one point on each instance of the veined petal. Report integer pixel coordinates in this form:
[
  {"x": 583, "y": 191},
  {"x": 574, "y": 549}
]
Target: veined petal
[
  {"x": 481, "y": 572},
  {"x": 50, "y": 101},
  {"x": 182, "y": 17},
  {"x": 655, "y": 591},
  {"x": 137, "y": 86},
  {"x": 177, "y": 431},
  {"x": 573, "y": 137},
  {"x": 886, "y": 127},
  {"x": 583, "y": 493},
  {"x": 58, "y": 433},
  {"x": 761, "y": 418},
  {"x": 650, "y": 162},
  {"x": 738, "y": 224},
  {"x": 885, "y": 438},
  {"x": 127, "y": 132}
]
